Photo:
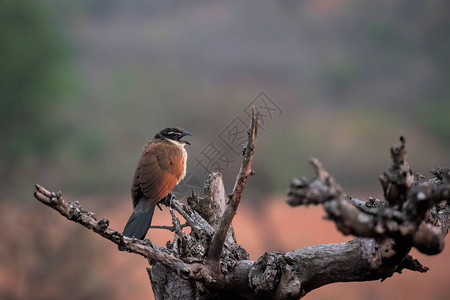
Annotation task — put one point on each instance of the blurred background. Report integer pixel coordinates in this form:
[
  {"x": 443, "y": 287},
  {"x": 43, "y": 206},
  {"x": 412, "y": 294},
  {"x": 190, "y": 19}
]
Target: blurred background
[{"x": 85, "y": 84}]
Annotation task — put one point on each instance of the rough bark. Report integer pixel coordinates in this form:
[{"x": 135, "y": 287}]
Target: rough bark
[{"x": 207, "y": 263}]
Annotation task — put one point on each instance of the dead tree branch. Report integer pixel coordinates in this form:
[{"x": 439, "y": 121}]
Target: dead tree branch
[
  {"x": 208, "y": 263},
  {"x": 74, "y": 212},
  {"x": 403, "y": 220},
  {"x": 235, "y": 198},
  {"x": 170, "y": 228}
]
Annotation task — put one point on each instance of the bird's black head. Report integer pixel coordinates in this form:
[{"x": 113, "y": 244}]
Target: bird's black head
[{"x": 174, "y": 133}]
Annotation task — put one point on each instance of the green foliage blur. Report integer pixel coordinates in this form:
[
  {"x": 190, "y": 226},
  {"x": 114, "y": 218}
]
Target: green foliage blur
[{"x": 33, "y": 77}]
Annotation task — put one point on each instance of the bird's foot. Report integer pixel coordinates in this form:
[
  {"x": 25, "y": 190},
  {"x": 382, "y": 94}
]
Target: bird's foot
[{"x": 167, "y": 201}]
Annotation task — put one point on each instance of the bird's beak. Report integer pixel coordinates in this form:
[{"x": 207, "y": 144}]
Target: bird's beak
[{"x": 184, "y": 134}]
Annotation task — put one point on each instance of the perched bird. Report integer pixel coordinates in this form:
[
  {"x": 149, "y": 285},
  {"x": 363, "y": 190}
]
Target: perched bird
[{"x": 162, "y": 165}]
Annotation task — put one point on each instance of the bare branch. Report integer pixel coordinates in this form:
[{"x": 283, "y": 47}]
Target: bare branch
[
  {"x": 195, "y": 221},
  {"x": 170, "y": 228},
  {"x": 245, "y": 171},
  {"x": 404, "y": 220},
  {"x": 292, "y": 275},
  {"x": 397, "y": 182},
  {"x": 73, "y": 211}
]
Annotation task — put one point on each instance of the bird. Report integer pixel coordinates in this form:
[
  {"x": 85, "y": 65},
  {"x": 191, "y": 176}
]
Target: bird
[{"x": 161, "y": 166}]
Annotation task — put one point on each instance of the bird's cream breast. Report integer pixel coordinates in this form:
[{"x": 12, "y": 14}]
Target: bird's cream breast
[
  {"x": 184, "y": 153},
  {"x": 184, "y": 162}
]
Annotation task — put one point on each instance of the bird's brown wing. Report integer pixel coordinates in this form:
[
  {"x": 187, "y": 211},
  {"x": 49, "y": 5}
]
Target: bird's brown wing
[
  {"x": 136, "y": 191},
  {"x": 159, "y": 169}
]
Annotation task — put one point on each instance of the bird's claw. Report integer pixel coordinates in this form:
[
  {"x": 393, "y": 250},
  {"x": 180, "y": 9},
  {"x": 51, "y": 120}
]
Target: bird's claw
[{"x": 168, "y": 199}]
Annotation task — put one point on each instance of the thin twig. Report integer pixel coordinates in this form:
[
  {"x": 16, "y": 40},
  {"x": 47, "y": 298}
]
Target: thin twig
[
  {"x": 170, "y": 228},
  {"x": 177, "y": 225},
  {"x": 230, "y": 211}
]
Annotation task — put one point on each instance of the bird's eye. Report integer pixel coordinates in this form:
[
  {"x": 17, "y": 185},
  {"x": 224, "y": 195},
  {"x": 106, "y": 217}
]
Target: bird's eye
[{"x": 173, "y": 135}]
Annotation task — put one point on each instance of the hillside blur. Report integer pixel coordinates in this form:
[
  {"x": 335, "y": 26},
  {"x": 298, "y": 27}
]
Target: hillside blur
[{"x": 85, "y": 84}]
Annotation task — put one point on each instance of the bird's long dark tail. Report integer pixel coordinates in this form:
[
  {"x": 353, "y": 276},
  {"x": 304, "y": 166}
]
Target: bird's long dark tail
[{"x": 139, "y": 221}]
